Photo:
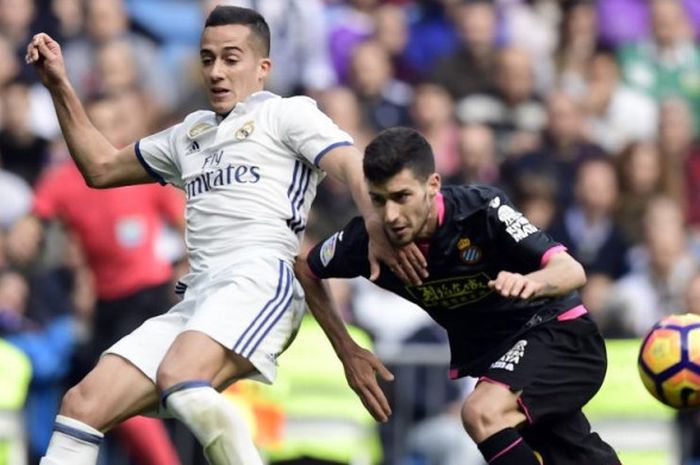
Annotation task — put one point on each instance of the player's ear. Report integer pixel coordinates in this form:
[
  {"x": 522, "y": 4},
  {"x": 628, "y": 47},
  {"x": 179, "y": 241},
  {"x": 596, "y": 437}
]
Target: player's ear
[
  {"x": 264, "y": 67},
  {"x": 434, "y": 184}
]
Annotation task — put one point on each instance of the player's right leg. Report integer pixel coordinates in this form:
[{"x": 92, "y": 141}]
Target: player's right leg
[
  {"x": 491, "y": 415},
  {"x": 112, "y": 392}
]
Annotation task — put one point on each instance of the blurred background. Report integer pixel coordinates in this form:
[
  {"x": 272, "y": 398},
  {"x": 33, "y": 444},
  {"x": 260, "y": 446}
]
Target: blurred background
[{"x": 586, "y": 112}]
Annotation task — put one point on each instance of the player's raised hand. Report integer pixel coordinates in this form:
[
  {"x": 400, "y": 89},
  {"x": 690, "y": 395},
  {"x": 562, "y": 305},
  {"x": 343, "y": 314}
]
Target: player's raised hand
[
  {"x": 361, "y": 369},
  {"x": 516, "y": 285},
  {"x": 45, "y": 54}
]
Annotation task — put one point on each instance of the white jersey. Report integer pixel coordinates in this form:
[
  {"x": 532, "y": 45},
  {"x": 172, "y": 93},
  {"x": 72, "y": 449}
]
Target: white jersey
[{"x": 249, "y": 179}]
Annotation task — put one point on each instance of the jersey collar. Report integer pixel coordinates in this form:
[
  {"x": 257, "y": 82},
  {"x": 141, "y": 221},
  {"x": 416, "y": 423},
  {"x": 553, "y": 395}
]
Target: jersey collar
[{"x": 252, "y": 102}]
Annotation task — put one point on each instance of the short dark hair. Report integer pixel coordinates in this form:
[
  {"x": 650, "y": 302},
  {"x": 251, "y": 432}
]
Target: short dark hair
[
  {"x": 224, "y": 15},
  {"x": 394, "y": 150}
]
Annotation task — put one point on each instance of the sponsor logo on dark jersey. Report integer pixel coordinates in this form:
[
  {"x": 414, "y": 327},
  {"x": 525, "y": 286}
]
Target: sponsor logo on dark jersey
[
  {"x": 451, "y": 292},
  {"x": 511, "y": 358}
]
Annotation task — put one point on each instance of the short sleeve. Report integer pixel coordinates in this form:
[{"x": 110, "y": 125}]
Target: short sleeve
[
  {"x": 157, "y": 154},
  {"x": 306, "y": 130},
  {"x": 343, "y": 254},
  {"x": 520, "y": 239}
]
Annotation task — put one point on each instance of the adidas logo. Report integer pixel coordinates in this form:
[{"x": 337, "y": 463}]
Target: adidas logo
[{"x": 194, "y": 147}]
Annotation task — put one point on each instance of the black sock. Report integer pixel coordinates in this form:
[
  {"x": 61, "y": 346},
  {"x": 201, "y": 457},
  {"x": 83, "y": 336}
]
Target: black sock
[{"x": 507, "y": 448}]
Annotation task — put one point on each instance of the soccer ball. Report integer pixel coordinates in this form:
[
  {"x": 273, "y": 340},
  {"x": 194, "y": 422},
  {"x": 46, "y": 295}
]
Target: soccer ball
[{"x": 669, "y": 361}]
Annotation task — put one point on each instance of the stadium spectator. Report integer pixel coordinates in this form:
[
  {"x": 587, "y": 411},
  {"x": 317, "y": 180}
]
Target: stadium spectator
[
  {"x": 535, "y": 195},
  {"x": 68, "y": 19},
  {"x": 577, "y": 43},
  {"x": 562, "y": 149},
  {"x": 107, "y": 20},
  {"x": 391, "y": 30},
  {"x": 432, "y": 114},
  {"x": 624, "y": 21},
  {"x": 655, "y": 286},
  {"x": 24, "y": 153},
  {"x": 9, "y": 64},
  {"x": 616, "y": 114},
  {"x": 15, "y": 198},
  {"x": 588, "y": 229},
  {"x": 513, "y": 110},
  {"x": 16, "y": 369},
  {"x": 532, "y": 24},
  {"x": 681, "y": 154},
  {"x": 16, "y": 18},
  {"x": 384, "y": 99},
  {"x": 480, "y": 162},
  {"x": 342, "y": 105},
  {"x": 470, "y": 69},
  {"x": 40, "y": 122},
  {"x": 643, "y": 174},
  {"x": 49, "y": 348},
  {"x": 667, "y": 64},
  {"x": 432, "y": 36},
  {"x": 350, "y": 24}
]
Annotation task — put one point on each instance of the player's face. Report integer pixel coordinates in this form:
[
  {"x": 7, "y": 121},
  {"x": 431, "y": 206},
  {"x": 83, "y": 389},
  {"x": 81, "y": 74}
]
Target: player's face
[
  {"x": 407, "y": 206},
  {"x": 231, "y": 67}
]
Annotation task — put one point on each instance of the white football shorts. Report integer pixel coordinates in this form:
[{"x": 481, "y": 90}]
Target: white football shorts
[{"x": 253, "y": 307}]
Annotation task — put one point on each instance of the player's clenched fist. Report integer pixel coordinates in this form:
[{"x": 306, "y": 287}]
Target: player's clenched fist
[
  {"x": 45, "y": 54},
  {"x": 515, "y": 285}
]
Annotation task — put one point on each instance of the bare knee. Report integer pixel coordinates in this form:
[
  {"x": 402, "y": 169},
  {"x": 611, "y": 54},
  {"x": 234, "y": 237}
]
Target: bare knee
[
  {"x": 483, "y": 417},
  {"x": 479, "y": 418},
  {"x": 82, "y": 404},
  {"x": 195, "y": 356},
  {"x": 169, "y": 375}
]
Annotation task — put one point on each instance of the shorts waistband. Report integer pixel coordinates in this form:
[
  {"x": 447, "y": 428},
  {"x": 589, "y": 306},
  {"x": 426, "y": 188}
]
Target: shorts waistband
[{"x": 572, "y": 313}]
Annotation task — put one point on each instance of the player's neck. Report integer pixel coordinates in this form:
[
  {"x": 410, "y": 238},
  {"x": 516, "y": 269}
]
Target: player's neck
[{"x": 435, "y": 217}]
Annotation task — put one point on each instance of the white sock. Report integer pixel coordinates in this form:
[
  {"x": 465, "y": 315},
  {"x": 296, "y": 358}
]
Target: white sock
[
  {"x": 216, "y": 423},
  {"x": 72, "y": 443}
]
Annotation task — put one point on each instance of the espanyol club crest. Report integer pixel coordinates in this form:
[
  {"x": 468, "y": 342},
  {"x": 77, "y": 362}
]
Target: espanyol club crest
[{"x": 468, "y": 252}]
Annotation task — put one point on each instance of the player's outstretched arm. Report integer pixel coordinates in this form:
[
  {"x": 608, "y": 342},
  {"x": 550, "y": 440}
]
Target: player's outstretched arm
[
  {"x": 361, "y": 366},
  {"x": 561, "y": 274},
  {"x": 408, "y": 263},
  {"x": 101, "y": 164}
]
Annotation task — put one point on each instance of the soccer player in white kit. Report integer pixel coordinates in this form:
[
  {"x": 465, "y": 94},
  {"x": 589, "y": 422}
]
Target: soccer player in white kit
[{"x": 249, "y": 170}]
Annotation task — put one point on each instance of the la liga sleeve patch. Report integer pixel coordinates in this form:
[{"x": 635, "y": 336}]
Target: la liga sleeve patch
[{"x": 328, "y": 249}]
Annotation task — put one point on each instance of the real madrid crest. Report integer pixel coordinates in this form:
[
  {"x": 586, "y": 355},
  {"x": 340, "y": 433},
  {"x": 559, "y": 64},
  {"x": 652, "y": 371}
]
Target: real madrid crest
[
  {"x": 245, "y": 131},
  {"x": 468, "y": 253}
]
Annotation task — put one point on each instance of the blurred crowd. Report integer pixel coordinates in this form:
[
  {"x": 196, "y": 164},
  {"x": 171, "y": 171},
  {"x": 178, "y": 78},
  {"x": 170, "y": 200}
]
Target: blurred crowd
[{"x": 586, "y": 112}]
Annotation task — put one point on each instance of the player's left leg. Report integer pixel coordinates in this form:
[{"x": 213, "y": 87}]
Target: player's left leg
[
  {"x": 185, "y": 379},
  {"x": 239, "y": 327},
  {"x": 491, "y": 415},
  {"x": 559, "y": 370},
  {"x": 568, "y": 440}
]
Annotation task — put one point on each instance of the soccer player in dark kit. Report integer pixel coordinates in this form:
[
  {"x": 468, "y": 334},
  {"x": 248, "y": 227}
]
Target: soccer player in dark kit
[{"x": 504, "y": 291}]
